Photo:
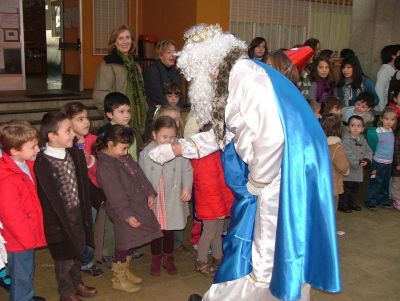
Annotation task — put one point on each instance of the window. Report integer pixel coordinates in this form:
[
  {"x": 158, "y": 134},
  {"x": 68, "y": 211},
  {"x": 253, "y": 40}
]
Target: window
[{"x": 107, "y": 15}]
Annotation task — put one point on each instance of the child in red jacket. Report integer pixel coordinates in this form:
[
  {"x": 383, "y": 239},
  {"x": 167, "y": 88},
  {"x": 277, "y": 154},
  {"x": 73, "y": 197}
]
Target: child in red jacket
[{"x": 20, "y": 209}]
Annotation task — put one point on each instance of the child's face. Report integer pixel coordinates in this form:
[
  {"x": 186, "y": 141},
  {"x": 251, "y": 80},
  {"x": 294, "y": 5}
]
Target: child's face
[
  {"x": 172, "y": 98},
  {"x": 120, "y": 115},
  {"x": 323, "y": 69},
  {"x": 175, "y": 115},
  {"x": 164, "y": 136},
  {"x": 388, "y": 120},
  {"x": 64, "y": 136},
  {"x": 81, "y": 124},
  {"x": 361, "y": 107},
  {"x": 259, "y": 51},
  {"x": 117, "y": 150},
  {"x": 28, "y": 151},
  {"x": 356, "y": 127},
  {"x": 336, "y": 110},
  {"x": 396, "y": 99},
  {"x": 347, "y": 71}
]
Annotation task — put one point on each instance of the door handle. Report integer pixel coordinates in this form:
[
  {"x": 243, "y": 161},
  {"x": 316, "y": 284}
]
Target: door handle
[{"x": 69, "y": 46}]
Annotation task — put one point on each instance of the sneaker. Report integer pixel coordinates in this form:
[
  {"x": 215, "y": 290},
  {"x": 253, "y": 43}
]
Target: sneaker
[
  {"x": 93, "y": 270},
  {"x": 136, "y": 255},
  {"x": 386, "y": 205},
  {"x": 340, "y": 233},
  {"x": 108, "y": 260},
  {"x": 371, "y": 207}
]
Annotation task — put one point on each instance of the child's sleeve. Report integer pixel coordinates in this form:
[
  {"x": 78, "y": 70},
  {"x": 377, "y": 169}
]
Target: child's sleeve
[
  {"x": 340, "y": 161},
  {"x": 367, "y": 151},
  {"x": 118, "y": 203},
  {"x": 187, "y": 174},
  {"x": 12, "y": 212}
]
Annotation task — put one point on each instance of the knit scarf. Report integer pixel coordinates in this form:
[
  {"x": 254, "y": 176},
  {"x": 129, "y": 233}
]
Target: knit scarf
[{"x": 135, "y": 92}]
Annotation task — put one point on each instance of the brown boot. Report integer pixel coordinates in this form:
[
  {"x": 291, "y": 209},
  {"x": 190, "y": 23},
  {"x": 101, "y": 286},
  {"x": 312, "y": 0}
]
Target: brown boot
[
  {"x": 217, "y": 262},
  {"x": 155, "y": 265},
  {"x": 119, "y": 281},
  {"x": 132, "y": 277},
  {"x": 168, "y": 264}
]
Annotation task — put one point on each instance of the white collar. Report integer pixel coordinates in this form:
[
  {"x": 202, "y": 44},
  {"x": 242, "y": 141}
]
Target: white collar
[{"x": 55, "y": 152}]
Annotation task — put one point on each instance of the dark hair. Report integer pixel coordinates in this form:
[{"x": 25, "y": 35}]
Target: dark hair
[
  {"x": 73, "y": 108},
  {"x": 171, "y": 87},
  {"x": 116, "y": 133},
  {"x": 358, "y": 73},
  {"x": 346, "y": 53},
  {"x": 388, "y": 52},
  {"x": 164, "y": 122},
  {"x": 312, "y": 42},
  {"x": 284, "y": 65},
  {"x": 332, "y": 125},
  {"x": 326, "y": 53},
  {"x": 255, "y": 43},
  {"x": 366, "y": 97},
  {"x": 114, "y": 100},
  {"x": 356, "y": 117},
  {"x": 314, "y": 70},
  {"x": 329, "y": 103},
  {"x": 397, "y": 63},
  {"x": 50, "y": 123}
]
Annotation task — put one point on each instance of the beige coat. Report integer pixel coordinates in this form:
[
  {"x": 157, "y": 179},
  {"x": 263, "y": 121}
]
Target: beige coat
[
  {"x": 340, "y": 165},
  {"x": 110, "y": 78}
]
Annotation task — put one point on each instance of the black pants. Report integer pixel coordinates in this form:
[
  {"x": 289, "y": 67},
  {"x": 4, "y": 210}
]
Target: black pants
[
  {"x": 347, "y": 199},
  {"x": 68, "y": 275}
]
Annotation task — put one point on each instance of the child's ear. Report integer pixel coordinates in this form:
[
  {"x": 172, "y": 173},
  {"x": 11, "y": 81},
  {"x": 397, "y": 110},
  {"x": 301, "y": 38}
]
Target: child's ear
[
  {"x": 13, "y": 152},
  {"x": 109, "y": 115},
  {"x": 153, "y": 133},
  {"x": 51, "y": 135}
]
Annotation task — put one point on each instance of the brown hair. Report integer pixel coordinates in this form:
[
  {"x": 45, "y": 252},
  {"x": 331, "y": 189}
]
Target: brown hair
[
  {"x": 332, "y": 125},
  {"x": 163, "y": 46},
  {"x": 50, "y": 123},
  {"x": 171, "y": 87},
  {"x": 164, "y": 122},
  {"x": 255, "y": 43},
  {"x": 114, "y": 36},
  {"x": 15, "y": 133},
  {"x": 116, "y": 133},
  {"x": 284, "y": 65},
  {"x": 329, "y": 103},
  {"x": 163, "y": 111},
  {"x": 72, "y": 109}
]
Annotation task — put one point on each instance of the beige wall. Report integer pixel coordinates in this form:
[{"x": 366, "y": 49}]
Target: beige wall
[{"x": 375, "y": 24}]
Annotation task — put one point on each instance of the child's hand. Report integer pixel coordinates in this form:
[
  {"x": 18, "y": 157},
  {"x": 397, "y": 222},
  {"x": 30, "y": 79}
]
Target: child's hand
[
  {"x": 133, "y": 222},
  {"x": 150, "y": 201},
  {"x": 398, "y": 167},
  {"x": 363, "y": 163},
  {"x": 186, "y": 194}
]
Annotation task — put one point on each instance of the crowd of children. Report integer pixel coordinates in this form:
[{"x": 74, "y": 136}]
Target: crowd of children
[{"x": 98, "y": 198}]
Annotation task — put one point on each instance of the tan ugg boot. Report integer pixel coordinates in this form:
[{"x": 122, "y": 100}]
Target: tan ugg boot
[
  {"x": 119, "y": 280},
  {"x": 132, "y": 277}
]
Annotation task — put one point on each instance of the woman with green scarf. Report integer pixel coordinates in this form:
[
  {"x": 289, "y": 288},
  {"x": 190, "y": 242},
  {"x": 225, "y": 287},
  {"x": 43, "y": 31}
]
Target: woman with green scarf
[{"x": 119, "y": 73}]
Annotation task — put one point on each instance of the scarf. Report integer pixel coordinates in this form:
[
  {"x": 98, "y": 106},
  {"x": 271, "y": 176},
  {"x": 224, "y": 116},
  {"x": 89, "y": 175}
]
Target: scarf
[{"x": 135, "y": 92}]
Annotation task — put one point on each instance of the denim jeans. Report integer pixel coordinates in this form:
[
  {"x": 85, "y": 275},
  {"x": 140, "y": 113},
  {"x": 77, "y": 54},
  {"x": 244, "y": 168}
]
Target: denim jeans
[
  {"x": 21, "y": 266},
  {"x": 87, "y": 258},
  {"x": 378, "y": 189}
]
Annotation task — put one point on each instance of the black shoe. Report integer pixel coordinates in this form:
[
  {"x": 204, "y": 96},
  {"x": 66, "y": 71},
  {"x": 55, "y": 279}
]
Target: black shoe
[
  {"x": 4, "y": 285},
  {"x": 136, "y": 255},
  {"x": 355, "y": 207},
  {"x": 195, "y": 297},
  {"x": 345, "y": 210},
  {"x": 93, "y": 270},
  {"x": 38, "y": 298},
  {"x": 371, "y": 207},
  {"x": 386, "y": 205}
]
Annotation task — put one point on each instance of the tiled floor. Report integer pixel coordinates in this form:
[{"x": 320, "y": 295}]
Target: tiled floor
[{"x": 370, "y": 256}]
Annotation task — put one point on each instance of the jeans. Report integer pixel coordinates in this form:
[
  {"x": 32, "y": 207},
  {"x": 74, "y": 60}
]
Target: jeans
[
  {"x": 87, "y": 258},
  {"x": 21, "y": 268},
  {"x": 378, "y": 189}
]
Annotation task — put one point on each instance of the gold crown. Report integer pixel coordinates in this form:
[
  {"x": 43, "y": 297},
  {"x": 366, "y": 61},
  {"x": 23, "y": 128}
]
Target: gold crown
[{"x": 202, "y": 32}]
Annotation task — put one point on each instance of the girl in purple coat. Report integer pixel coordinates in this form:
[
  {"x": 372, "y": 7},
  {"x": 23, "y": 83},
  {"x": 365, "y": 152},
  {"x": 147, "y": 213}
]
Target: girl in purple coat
[
  {"x": 130, "y": 197},
  {"x": 322, "y": 83}
]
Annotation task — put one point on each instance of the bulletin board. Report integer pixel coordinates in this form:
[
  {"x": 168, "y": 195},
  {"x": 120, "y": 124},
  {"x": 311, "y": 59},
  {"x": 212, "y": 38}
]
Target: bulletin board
[{"x": 10, "y": 37}]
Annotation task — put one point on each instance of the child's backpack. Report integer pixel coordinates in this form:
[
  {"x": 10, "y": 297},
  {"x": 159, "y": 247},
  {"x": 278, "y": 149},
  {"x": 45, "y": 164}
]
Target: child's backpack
[{"x": 393, "y": 84}]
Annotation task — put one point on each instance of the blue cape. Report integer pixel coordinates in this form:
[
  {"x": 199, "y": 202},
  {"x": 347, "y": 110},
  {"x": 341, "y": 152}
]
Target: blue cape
[{"x": 306, "y": 246}]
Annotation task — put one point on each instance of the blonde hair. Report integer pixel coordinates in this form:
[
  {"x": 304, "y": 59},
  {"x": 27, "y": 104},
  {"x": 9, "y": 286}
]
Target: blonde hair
[
  {"x": 15, "y": 133},
  {"x": 163, "y": 111},
  {"x": 114, "y": 36},
  {"x": 388, "y": 110},
  {"x": 163, "y": 46}
]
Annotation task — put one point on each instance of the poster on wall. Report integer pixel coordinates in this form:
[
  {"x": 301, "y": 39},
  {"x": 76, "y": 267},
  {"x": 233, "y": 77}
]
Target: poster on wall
[
  {"x": 9, "y": 6},
  {"x": 9, "y": 20}
]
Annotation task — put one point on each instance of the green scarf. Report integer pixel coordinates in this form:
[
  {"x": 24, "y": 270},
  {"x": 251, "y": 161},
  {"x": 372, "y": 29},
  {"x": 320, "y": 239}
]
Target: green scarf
[{"x": 135, "y": 92}]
